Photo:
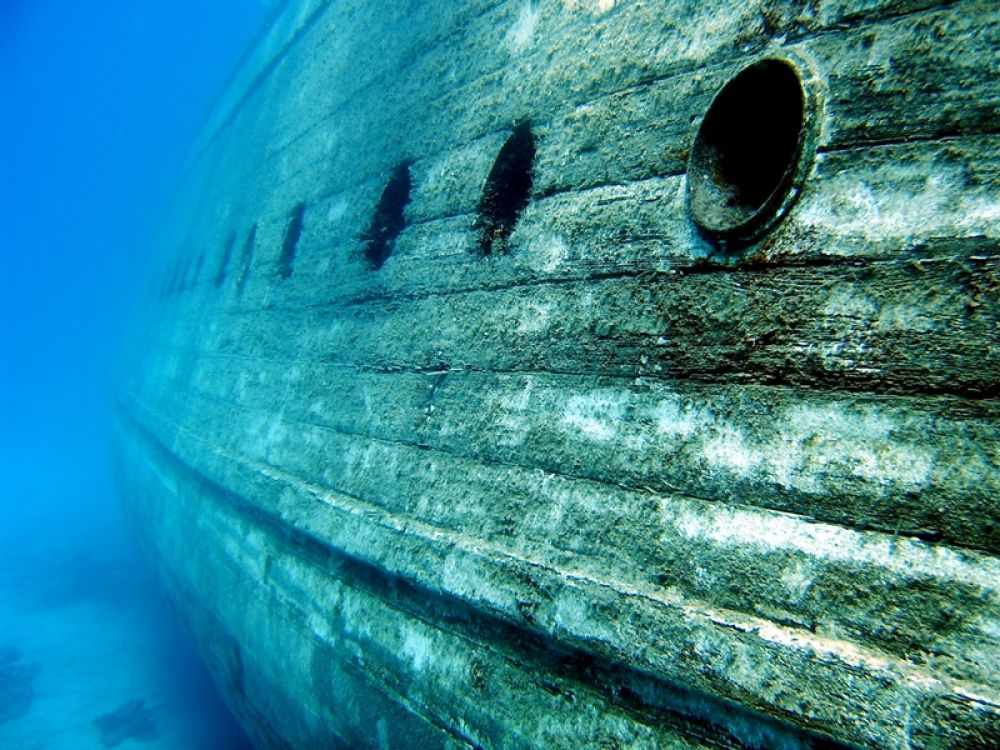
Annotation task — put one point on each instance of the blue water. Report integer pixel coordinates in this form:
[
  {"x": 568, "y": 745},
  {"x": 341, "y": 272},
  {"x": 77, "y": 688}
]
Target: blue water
[{"x": 98, "y": 101}]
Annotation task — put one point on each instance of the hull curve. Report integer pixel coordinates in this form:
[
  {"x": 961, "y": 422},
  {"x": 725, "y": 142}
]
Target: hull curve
[{"x": 546, "y": 375}]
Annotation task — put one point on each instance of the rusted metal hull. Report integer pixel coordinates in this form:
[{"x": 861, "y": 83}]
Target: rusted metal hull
[{"x": 464, "y": 418}]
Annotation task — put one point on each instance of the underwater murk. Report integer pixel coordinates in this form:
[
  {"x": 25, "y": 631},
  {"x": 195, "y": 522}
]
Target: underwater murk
[{"x": 97, "y": 103}]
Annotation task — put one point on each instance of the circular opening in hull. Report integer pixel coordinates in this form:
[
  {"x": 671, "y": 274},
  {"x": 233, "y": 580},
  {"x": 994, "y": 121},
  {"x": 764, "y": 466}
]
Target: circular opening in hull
[{"x": 749, "y": 152}]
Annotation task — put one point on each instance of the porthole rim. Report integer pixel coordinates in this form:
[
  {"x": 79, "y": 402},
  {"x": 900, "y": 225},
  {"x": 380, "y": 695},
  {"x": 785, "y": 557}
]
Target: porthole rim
[{"x": 784, "y": 196}]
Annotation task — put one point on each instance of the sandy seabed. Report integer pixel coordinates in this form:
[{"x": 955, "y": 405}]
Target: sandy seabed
[{"x": 92, "y": 657}]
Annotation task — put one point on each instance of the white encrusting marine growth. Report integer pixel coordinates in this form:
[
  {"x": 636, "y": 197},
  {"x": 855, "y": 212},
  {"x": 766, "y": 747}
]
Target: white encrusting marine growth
[{"x": 496, "y": 435}]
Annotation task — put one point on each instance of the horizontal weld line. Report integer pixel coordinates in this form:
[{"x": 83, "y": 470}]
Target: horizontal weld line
[
  {"x": 531, "y": 648},
  {"x": 300, "y": 544},
  {"x": 678, "y": 268},
  {"x": 812, "y": 381},
  {"x": 582, "y": 189},
  {"x": 944, "y": 136},
  {"x": 265, "y": 26},
  {"x": 674, "y": 267},
  {"x": 671, "y": 72},
  {"x": 679, "y": 168},
  {"x": 263, "y": 75},
  {"x": 938, "y": 537},
  {"x": 354, "y": 94},
  {"x": 668, "y": 74},
  {"x": 679, "y": 385}
]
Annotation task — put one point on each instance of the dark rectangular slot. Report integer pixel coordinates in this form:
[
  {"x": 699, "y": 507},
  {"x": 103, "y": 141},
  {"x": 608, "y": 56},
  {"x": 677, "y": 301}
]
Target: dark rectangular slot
[{"x": 292, "y": 233}]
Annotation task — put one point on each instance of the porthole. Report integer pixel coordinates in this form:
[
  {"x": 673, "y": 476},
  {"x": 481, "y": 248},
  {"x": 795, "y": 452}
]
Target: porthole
[
  {"x": 389, "y": 218},
  {"x": 507, "y": 190},
  {"x": 246, "y": 259},
  {"x": 292, "y": 233},
  {"x": 751, "y": 153}
]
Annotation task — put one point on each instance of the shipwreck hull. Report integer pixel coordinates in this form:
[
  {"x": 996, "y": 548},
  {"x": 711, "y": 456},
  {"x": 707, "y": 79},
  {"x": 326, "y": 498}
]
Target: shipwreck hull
[{"x": 455, "y": 424}]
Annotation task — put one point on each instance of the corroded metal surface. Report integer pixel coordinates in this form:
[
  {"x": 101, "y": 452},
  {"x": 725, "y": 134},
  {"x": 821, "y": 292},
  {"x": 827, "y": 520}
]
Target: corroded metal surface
[{"x": 424, "y": 464}]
